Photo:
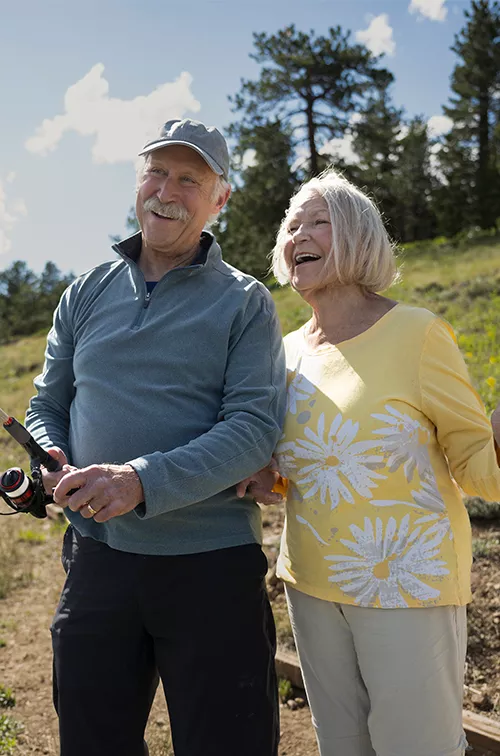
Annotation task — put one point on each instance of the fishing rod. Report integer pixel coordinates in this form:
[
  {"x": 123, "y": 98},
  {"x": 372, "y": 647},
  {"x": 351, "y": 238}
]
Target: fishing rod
[{"x": 21, "y": 493}]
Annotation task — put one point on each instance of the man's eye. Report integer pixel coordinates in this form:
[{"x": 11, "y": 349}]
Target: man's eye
[
  {"x": 156, "y": 171},
  {"x": 320, "y": 220},
  {"x": 188, "y": 180}
]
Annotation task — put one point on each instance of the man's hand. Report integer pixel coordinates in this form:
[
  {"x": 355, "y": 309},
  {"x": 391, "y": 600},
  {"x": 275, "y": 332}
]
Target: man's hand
[
  {"x": 51, "y": 479},
  {"x": 104, "y": 491},
  {"x": 260, "y": 485}
]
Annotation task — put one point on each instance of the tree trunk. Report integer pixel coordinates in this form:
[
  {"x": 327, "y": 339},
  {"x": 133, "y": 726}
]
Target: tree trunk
[
  {"x": 484, "y": 204},
  {"x": 311, "y": 135}
]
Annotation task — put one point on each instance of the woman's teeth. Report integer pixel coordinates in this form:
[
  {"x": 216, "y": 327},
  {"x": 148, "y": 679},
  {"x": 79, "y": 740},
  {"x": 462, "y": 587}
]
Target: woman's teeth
[{"x": 305, "y": 257}]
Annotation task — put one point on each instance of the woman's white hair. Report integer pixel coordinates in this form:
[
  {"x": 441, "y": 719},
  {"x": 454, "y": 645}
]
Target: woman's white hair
[{"x": 361, "y": 251}]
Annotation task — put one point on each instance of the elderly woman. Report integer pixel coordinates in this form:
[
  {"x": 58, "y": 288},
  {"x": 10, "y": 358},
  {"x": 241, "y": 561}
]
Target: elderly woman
[{"x": 376, "y": 552}]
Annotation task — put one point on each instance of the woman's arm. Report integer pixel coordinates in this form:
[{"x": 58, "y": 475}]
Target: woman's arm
[{"x": 455, "y": 408}]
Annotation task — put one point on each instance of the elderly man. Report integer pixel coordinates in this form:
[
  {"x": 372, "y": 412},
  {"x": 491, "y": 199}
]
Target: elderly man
[{"x": 163, "y": 387}]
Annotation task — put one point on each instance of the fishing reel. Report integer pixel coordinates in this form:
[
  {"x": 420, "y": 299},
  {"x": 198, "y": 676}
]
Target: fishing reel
[
  {"x": 24, "y": 494},
  {"x": 19, "y": 492}
]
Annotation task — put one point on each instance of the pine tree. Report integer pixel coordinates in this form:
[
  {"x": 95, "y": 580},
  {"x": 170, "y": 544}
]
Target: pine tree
[
  {"x": 414, "y": 183},
  {"x": 472, "y": 146},
  {"x": 377, "y": 145},
  {"x": 27, "y": 301},
  {"x": 312, "y": 84},
  {"x": 455, "y": 199},
  {"x": 248, "y": 225}
]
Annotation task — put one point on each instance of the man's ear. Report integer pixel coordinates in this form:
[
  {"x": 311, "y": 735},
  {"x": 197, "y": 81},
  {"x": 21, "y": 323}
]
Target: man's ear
[{"x": 222, "y": 199}]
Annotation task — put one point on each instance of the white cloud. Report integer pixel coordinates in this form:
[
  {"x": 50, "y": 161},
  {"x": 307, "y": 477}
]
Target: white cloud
[
  {"x": 119, "y": 127},
  {"x": 403, "y": 132},
  {"x": 435, "y": 162},
  {"x": 301, "y": 158},
  {"x": 378, "y": 36},
  {"x": 433, "y": 9},
  {"x": 10, "y": 212},
  {"x": 438, "y": 125},
  {"x": 249, "y": 159},
  {"x": 355, "y": 118},
  {"x": 341, "y": 147}
]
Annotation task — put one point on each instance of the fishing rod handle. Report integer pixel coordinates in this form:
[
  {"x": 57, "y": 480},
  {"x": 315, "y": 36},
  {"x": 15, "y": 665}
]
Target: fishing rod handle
[{"x": 20, "y": 434}]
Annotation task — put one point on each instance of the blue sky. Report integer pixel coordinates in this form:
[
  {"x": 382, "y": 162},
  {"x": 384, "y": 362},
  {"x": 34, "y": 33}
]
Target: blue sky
[{"x": 84, "y": 85}]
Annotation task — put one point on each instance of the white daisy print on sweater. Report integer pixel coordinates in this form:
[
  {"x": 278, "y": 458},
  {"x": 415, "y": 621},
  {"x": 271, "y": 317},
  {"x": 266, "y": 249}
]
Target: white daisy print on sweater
[
  {"x": 428, "y": 499},
  {"x": 284, "y": 454},
  {"x": 404, "y": 442},
  {"x": 300, "y": 389},
  {"x": 384, "y": 563},
  {"x": 337, "y": 460},
  {"x": 313, "y": 530}
]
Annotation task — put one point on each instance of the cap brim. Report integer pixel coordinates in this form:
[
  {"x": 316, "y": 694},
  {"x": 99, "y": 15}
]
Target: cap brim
[{"x": 160, "y": 143}]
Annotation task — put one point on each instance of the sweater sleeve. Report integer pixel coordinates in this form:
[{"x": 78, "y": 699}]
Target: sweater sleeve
[
  {"x": 248, "y": 430},
  {"x": 47, "y": 417},
  {"x": 452, "y": 404}
]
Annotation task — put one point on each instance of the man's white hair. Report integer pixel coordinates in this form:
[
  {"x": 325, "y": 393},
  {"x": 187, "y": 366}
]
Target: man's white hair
[
  {"x": 220, "y": 188},
  {"x": 361, "y": 252}
]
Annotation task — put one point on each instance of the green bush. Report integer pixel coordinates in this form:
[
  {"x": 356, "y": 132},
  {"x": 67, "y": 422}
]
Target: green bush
[
  {"x": 479, "y": 509},
  {"x": 9, "y": 730},
  {"x": 7, "y": 699}
]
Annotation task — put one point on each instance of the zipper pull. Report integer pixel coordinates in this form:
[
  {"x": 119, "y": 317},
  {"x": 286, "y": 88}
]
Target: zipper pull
[{"x": 147, "y": 300}]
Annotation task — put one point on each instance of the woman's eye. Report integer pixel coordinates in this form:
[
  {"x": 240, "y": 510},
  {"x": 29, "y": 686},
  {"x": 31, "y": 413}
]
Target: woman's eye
[
  {"x": 320, "y": 220},
  {"x": 188, "y": 180}
]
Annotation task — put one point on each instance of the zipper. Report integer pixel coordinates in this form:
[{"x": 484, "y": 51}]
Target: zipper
[
  {"x": 137, "y": 324},
  {"x": 142, "y": 312}
]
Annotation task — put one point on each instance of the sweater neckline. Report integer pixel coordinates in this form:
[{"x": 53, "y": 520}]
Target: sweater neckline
[{"x": 339, "y": 346}]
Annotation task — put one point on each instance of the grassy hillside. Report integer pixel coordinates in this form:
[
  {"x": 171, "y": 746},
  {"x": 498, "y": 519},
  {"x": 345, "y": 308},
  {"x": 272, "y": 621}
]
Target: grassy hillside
[
  {"x": 460, "y": 283},
  {"x": 19, "y": 363}
]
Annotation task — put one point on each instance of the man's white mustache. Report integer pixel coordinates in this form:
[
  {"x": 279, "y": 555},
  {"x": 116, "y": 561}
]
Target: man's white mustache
[{"x": 166, "y": 209}]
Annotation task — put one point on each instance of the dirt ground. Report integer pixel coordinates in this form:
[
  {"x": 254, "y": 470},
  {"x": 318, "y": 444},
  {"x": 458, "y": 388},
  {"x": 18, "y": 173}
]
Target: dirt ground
[
  {"x": 25, "y": 655},
  {"x": 25, "y": 663},
  {"x": 482, "y": 692}
]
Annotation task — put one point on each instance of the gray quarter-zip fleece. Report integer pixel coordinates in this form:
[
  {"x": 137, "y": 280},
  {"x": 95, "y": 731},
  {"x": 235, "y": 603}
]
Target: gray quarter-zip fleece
[{"x": 186, "y": 384}]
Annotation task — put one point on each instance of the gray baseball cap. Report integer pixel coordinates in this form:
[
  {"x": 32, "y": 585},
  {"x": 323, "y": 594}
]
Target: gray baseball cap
[{"x": 208, "y": 142}]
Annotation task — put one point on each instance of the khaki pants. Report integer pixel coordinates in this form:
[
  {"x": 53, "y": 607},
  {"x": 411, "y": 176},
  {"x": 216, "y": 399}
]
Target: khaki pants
[{"x": 382, "y": 682}]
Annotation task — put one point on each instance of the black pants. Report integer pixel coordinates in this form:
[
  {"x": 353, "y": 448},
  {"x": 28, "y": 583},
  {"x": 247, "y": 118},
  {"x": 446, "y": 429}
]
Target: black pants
[{"x": 201, "y": 621}]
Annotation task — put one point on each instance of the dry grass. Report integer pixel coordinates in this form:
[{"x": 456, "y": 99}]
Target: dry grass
[{"x": 16, "y": 562}]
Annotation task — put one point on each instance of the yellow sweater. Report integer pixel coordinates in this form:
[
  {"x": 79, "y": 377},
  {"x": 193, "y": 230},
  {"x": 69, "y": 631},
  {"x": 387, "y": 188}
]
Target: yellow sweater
[{"x": 375, "y": 429}]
